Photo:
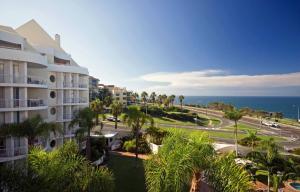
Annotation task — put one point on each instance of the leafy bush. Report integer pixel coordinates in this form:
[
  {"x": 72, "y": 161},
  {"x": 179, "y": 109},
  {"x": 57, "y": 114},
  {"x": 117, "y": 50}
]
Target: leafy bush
[
  {"x": 176, "y": 109},
  {"x": 296, "y": 151},
  {"x": 97, "y": 147},
  {"x": 246, "y": 141},
  {"x": 156, "y": 135},
  {"x": 143, "y": 146},
  {"x": 154, "y": 111},
  {"x": 181, "y": 116}
]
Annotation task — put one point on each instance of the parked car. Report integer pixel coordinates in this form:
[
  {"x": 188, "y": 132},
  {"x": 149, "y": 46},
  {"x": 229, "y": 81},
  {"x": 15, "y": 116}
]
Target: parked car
[{"x": 111, "y": 118}]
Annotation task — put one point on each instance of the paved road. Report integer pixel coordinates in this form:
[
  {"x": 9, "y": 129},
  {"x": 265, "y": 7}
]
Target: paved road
[{"x": 291, "y": 132}]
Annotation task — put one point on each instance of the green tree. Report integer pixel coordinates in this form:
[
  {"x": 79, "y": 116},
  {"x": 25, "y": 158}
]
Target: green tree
[
  {"x": 108, "y": 101},
  {"x": 172, "y": 99},
  {"x": 144, "y": 97},
  {"x": 31, "y": 128},
  {"x": 116, "y": 110},
  {"x": 224, "y": 175},
  {"x": 84, "y": 118},
  {"x": 252, "y": 136},
  {"x": 153, "y": 97},
  {"x": 136, "y": 119},
  {"x": 97, "y": 107},
  {"x": 181, "y": 98},
  {"x": 234, "y": 115},
  {"x": 62, "y": 169}
]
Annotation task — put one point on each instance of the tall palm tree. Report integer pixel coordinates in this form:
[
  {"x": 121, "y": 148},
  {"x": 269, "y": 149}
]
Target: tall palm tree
[
  {"x": 234, "y": 115},
  {"x": 84, "y": 118},
  {"x": 172, "y": 99},
  {"x": 136, "y": 97},
  {"x": 153, "y": 97},
  {"x": 144, "y": 96},
  {"x": 181, "y": 98},
  {"x": 136, "y": 119},
  {"x": 116, "y": 110},
  {"x": 97, "y": 107},
  {"x": 31, "y": 128}
]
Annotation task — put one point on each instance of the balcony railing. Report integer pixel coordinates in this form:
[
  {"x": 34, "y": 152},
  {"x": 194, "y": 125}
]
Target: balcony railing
[
  {"x": 36, "y": 80},
  {"x": 4, "y": 152},
  {"x": 83, "y": 86},
  {"x": 68, "y": 116},
  {"x": 18, "y": 103},
  {"x": 75, "y": 100},
  {"x": 6, "y": 78}
]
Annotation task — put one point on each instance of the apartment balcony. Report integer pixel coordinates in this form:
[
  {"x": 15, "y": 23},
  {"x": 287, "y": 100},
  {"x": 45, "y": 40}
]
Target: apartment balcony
[
  {"x": 36, "y": 80},
  {"x": 83, "y": 86},
  {"x": 31, "y": 80},
  {"x": 21, "y": 103},
  {"x": 74, "y": 100},
  {"x": 68, "y": 117},
  {"x": 17, "y": 151}
]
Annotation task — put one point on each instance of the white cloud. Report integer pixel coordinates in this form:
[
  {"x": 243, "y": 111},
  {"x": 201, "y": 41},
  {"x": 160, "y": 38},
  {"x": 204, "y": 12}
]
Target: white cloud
[{"x": 214, "y": 79}]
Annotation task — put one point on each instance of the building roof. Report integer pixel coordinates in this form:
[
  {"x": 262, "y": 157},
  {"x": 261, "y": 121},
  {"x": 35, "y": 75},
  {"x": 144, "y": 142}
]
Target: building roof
[{"x": 37, "y": 36}]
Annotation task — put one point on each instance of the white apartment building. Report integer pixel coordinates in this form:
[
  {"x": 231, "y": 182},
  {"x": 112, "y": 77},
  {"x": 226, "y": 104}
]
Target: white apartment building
[{"x": 37, "y": 77}]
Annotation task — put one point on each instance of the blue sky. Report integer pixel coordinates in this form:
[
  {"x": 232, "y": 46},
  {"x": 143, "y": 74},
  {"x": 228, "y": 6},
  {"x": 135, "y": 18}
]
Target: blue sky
[{"x": 233, "y": 47}]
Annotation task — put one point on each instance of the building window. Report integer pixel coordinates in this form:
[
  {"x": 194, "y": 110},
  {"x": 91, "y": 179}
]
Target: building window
[
  {"x": 52, "y": 78},
  {"x": 52, "y": 94},
  {"x": 9, "y": 45},
  {"x": 52, "y": 111}
]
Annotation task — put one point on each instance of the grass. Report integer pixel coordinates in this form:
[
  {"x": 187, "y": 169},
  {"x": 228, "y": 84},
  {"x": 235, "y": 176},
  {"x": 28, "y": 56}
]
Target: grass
[
  {"x": 243, "y": 127},
  {"x": 227, "y": 135},
  {"x": 165, "y": 120},
  {"x": 128, "y": 176}
]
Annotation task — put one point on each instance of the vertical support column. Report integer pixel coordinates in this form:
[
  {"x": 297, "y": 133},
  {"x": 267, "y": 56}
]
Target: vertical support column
[
  {"x": 23, "y": 97},
  {"x": 8, "y": 71},
  {"x": 60, "y": 79},
  {"x": 8, "y": 97},
  {"x": 23, "y": 72}
]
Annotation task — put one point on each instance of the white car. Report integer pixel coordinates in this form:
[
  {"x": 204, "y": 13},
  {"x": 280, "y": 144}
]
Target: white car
[{"x": 111, "y": 118}]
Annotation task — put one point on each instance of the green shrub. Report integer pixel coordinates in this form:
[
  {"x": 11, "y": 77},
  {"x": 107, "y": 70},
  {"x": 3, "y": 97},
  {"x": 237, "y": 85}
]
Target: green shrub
[
  {"x": 246, "y": 141},
  {"x": 154, "y": 111},
  {"x": 143, "y": 146},
  {"x": 181, "y": 116},
  {"x": 296, "y": 151},
  {"x": 176, "y": 109}
]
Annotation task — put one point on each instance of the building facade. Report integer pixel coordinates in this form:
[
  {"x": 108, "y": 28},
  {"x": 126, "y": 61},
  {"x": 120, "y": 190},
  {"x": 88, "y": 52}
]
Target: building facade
[
  {"x": 37, "y": 77},
  {"x": 93, "y": 88}
]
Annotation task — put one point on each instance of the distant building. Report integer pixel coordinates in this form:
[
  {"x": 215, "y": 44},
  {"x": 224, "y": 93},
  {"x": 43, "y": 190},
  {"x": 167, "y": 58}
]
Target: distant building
[
  {"x": 37, "y": 77},
  {"x": 117, "y": 93},
  {"x": 93, "y": 88}
]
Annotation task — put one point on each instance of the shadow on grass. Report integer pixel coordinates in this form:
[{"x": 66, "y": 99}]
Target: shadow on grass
[{"x": 128, "y": 176}]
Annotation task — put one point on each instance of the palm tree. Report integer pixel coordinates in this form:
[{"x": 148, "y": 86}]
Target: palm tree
[
  {"x": 136, "y": 119},
  {"x": 144, "y": 96},
  {"x": 153, "y": 97},
  {"x": 31, "y": 128},
  {"x": 116, "y": 110},
  {"x": 97, "y": 107},
  {"x": 84, "y": 118},
  {"x": 172, "y": 99},
  {"x": 178, "y": 165},
  {"x": 108, "y": 101},
  {"x": 181, "y": 98},
  {"x": 267, "y": 160},
  {"x": 234, "y": 115},
  {"x": 252, "y": 136},
  {"x": 136, "y": 97}
]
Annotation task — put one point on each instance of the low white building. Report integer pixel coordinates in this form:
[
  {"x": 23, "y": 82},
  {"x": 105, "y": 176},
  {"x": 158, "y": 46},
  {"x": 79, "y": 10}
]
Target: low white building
[{"x": 37, "y": 77}]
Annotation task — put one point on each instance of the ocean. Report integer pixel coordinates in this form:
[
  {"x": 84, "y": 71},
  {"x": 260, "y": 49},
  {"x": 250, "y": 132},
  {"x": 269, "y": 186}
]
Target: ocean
[{"x": 286, "y": 105}]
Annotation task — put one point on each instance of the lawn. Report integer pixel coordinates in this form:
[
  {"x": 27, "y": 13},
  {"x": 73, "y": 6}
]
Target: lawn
[
  {"x": 243, "y": 127},
  {"x": 226, "y": 135},
  {"x": 128, "y": 177},
  {"x": 165, "y": 120}
]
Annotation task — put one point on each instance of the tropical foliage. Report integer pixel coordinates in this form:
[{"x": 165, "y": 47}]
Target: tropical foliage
[
  {"x": 97, "y": 107},
  {"x": 234, "y": 115},
  {"x": 84, "y": 119},
  {"x": 59, "y": 170},
  {"x": 135, "y": 119},
  {"x": 116, "y": 110},
  {"x": 31, "y": 128},
  {"x": 225, "y": 175}
]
